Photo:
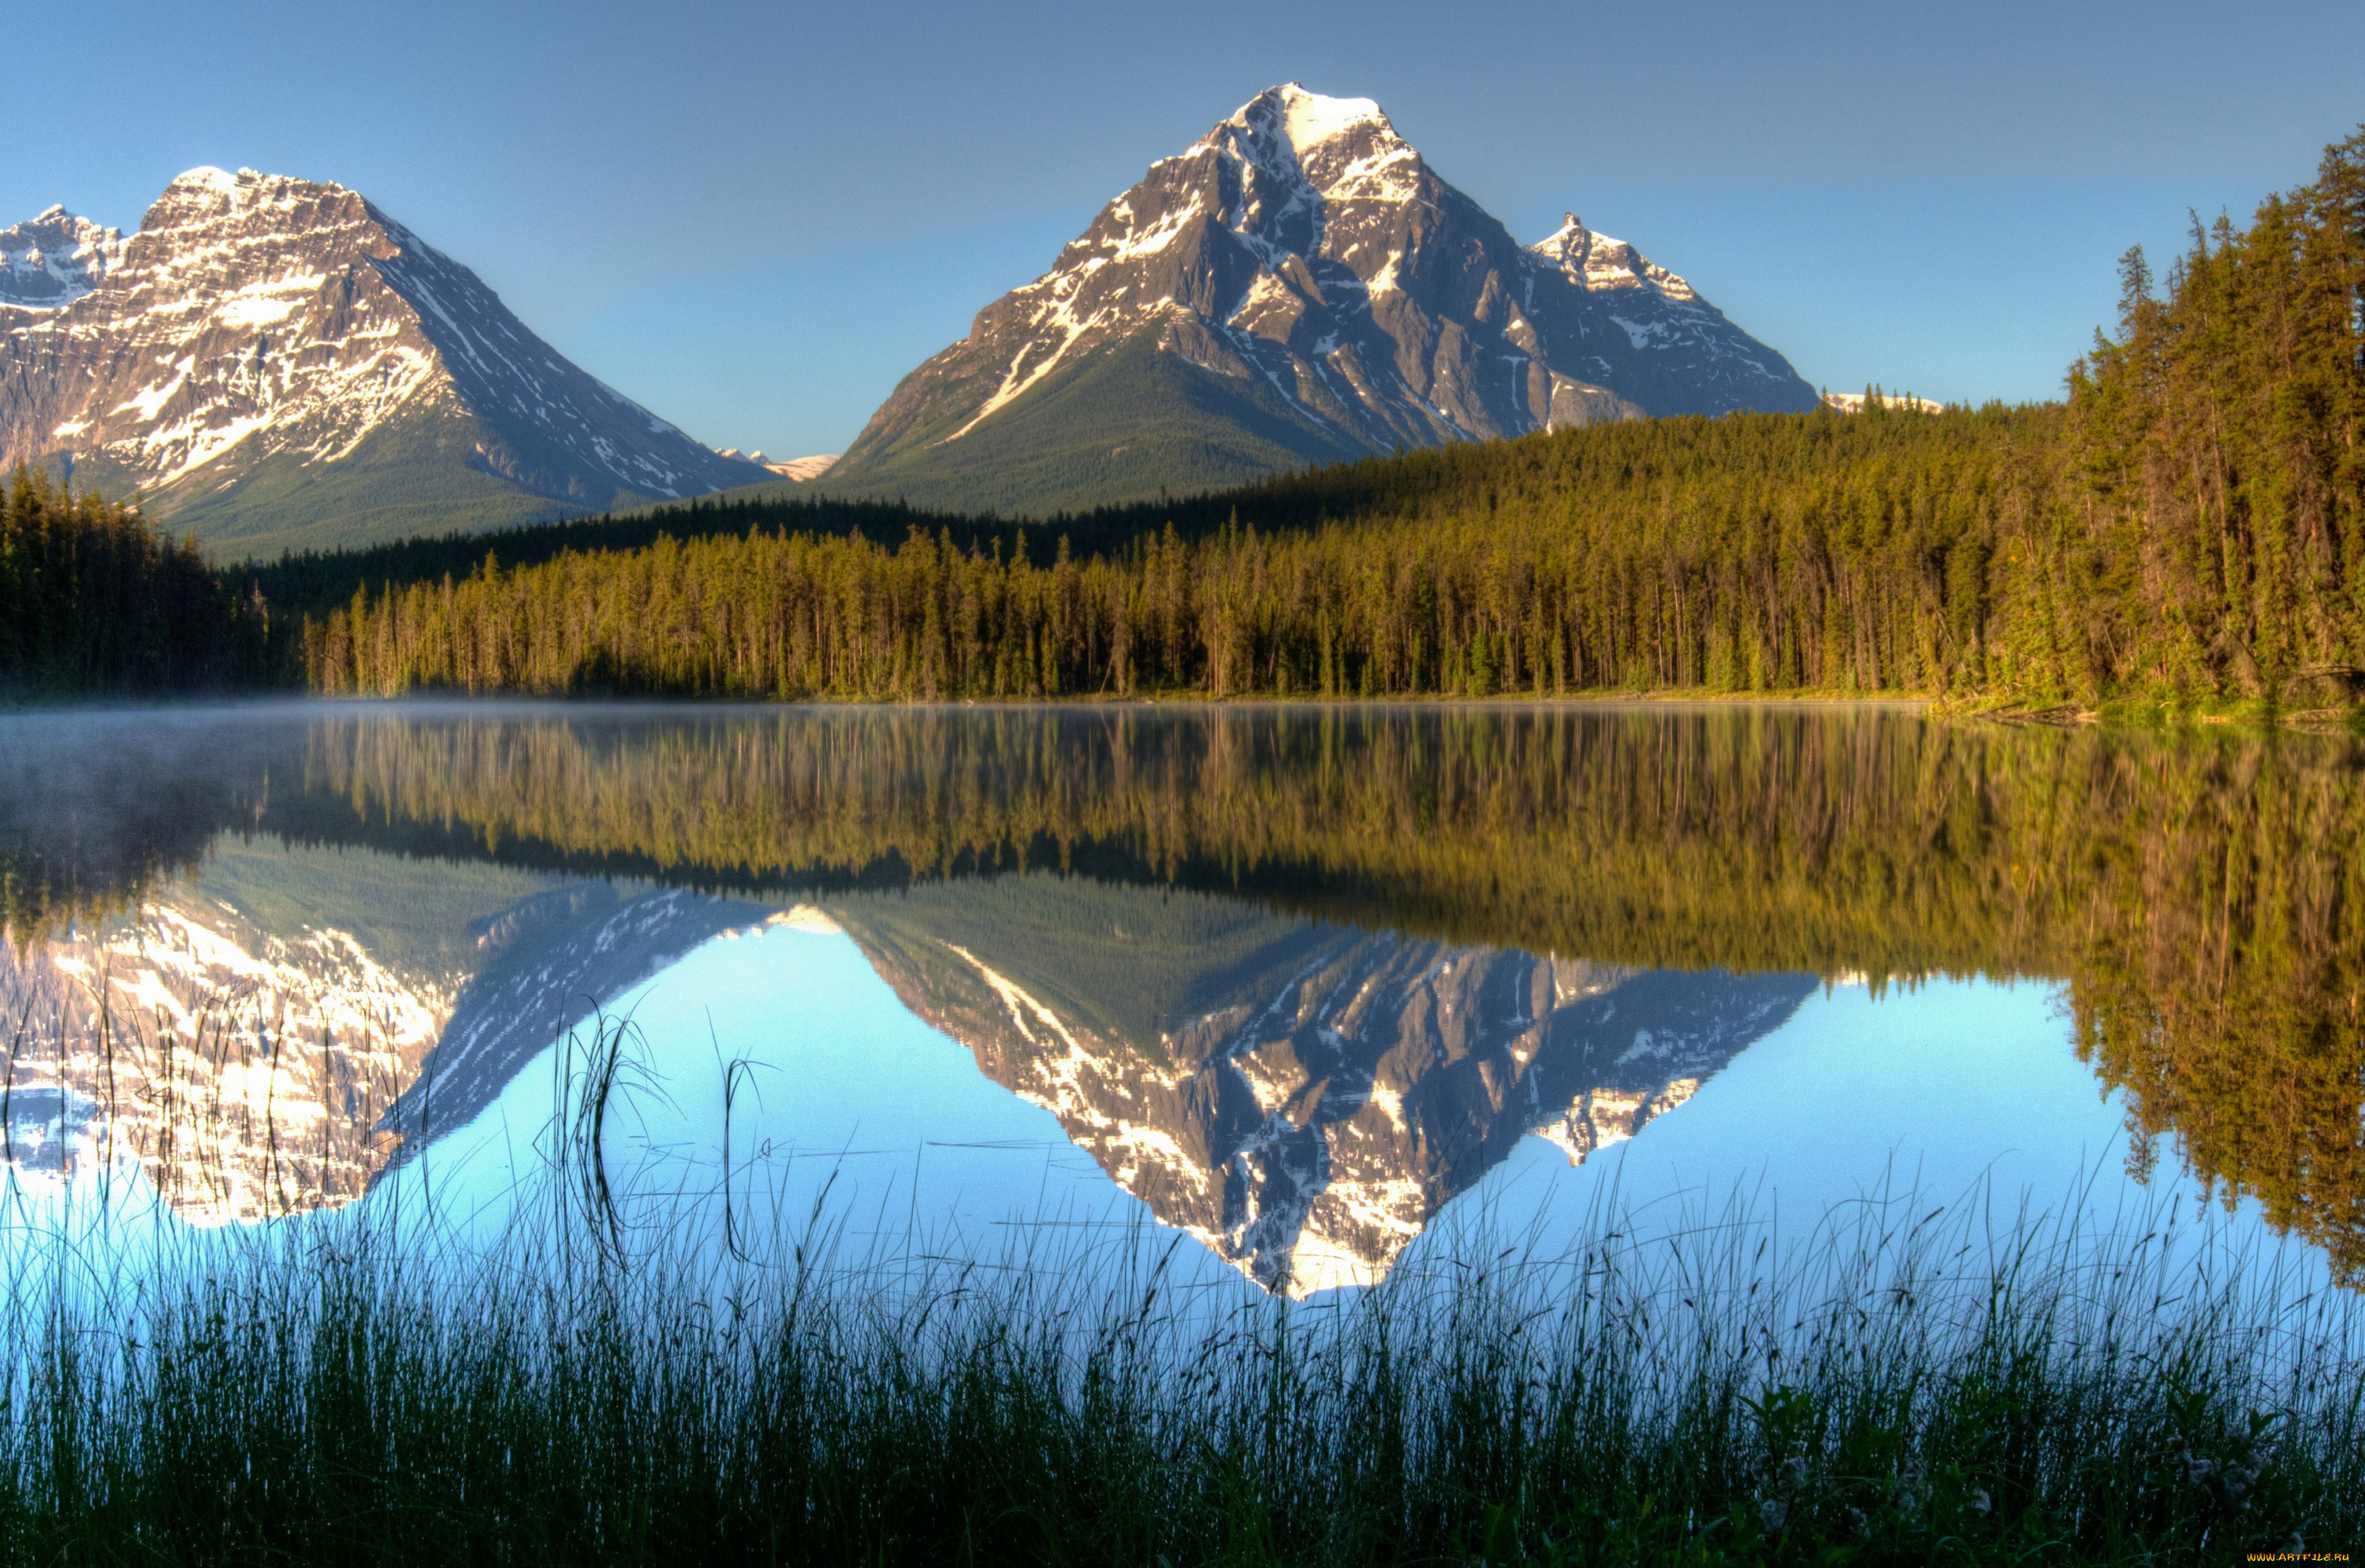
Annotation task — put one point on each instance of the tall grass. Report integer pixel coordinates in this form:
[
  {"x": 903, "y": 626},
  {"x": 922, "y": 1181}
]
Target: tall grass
[{"x": 597, "y": 1382}]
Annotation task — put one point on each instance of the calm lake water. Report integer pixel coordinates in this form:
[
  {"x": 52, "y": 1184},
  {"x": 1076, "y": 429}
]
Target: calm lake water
[{"x": 1295, "y": 991}]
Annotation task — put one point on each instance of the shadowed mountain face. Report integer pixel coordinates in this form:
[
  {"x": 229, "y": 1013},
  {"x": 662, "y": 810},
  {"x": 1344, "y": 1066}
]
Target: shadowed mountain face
[
  {"x": 274, "y": 362},
  {"x": 1303, "y": 1098},
  {"x": 1297, "y": 286}
]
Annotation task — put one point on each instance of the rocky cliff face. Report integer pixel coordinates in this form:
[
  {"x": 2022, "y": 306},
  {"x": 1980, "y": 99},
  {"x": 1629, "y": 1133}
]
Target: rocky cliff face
[
  {"x": 1309, "y": 1110},
  {"x": 272, "y": 361},
  {"x": 1298, "y": 284}
]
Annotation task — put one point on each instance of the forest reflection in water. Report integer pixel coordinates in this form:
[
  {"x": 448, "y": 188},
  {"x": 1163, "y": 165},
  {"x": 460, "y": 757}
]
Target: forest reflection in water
[{"x": 2195, "y": 896}]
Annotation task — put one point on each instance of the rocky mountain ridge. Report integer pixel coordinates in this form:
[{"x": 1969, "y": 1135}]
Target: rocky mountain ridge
[
  {"x": 1299, "y": 286},
  {"x": 272, "y": 361},
  {"x": 55, "y": 259}
]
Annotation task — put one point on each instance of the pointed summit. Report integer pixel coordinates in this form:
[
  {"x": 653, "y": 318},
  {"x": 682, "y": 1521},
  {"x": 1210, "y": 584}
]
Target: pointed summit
[
  {"x": 55, "y": 259},
  {"x": 1311, "y": 118},
  {"x": 1296, "y": 287},
  {"x": 1593, "y": 261},
  {"x": 1304, "y": 121}
]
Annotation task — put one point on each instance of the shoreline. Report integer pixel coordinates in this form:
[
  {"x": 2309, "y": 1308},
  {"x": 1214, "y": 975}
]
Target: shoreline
[{"x": 2120, "y": 714}]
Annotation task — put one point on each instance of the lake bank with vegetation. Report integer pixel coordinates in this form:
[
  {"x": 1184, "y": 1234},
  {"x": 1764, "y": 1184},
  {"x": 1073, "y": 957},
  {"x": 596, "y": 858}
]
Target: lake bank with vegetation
[{"x": 1905, "y": 1382}]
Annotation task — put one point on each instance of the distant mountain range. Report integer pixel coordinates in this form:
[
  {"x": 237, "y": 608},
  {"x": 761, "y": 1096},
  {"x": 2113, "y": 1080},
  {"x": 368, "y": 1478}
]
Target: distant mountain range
[
  {"x": 1297, "y": 286},
  {"x": 272, "y": 361}
]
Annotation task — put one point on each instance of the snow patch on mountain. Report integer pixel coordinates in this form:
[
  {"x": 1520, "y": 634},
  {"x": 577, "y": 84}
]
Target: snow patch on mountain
[
  {"x": 1855, "y": 402},
  {"x": 1309, "y": 118}
]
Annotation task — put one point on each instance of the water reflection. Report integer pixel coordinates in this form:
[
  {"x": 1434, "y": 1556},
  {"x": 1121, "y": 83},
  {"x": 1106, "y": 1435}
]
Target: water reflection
[
  {"x": 1302, "y": 1097},
  {"x": 1295, "y": 979}
]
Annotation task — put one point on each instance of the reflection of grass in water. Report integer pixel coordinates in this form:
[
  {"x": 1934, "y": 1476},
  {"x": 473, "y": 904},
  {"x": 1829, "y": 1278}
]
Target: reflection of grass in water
[{"x": 1911, "y": 1382}]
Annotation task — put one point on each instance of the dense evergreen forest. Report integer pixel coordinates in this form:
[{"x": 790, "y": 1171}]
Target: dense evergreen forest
[
  {"x": 2189, "y": 526},
  {"x": 96, "y": 601},
  {"x": 1754, "y": 552}
]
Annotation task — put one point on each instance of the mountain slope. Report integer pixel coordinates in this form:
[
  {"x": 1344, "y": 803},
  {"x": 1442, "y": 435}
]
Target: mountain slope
[
  {"x": 273, "y": 362},
  {"x": 1299, "y": 286}
]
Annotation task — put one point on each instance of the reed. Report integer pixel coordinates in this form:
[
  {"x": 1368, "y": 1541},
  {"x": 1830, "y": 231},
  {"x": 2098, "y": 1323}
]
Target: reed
[{"x": 606, "y": 1380}]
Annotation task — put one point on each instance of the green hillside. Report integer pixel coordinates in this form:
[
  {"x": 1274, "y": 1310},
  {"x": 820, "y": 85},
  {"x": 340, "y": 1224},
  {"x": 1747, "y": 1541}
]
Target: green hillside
[
  {"x": 438, "y": 473},
  {"x": 1129, "y": 425},
  {"x": 403, "y": 480}
]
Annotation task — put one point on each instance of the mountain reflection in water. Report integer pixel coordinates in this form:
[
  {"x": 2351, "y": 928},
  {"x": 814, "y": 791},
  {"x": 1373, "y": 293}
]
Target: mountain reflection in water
[{"x": 1295, "y": 977}]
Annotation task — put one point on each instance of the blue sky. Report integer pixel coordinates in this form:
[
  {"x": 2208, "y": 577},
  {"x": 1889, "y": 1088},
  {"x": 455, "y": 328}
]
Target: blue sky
[{"x": 755, "y": 217}]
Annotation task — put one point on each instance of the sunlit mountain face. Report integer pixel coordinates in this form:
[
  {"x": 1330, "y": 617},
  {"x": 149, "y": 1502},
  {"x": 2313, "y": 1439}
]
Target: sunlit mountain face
[
  {"x": 267, "y": 1036},
  {"x": 246, "y": 1067},
  {"x": 1296, "y": 979},
  {"x": 1299, "y": 285}
]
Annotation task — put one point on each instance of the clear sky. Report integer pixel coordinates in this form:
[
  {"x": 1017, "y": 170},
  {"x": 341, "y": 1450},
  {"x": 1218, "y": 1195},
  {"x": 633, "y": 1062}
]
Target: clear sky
[{"x": 755, "y": 218}]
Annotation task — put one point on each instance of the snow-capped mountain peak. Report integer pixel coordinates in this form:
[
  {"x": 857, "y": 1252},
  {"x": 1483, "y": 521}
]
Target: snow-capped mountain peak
[
  {"x": 282, "y": 337},
  {"x": 1593, "y": 261},
  {"x": 1289, "y": 118},
  {"x": 1323, "y": 148},
  {"x": 1308, "y": 119},
  {"x": 55, "y": 259},
  {"x": 1330, "y": 296}
]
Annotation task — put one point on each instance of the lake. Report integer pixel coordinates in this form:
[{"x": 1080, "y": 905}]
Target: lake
[{"x": 1292, "y": 992}]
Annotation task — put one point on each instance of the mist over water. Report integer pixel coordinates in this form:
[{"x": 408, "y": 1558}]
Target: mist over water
[{"x": 1292, "y": 992}]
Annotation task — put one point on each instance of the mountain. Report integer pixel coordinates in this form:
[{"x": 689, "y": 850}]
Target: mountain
[
  {"x": 55, "y": 260},
  {"x": 272, "y": 361},
  {"x": 1299, "y": 286},
  {"x": 1303, "y": 1098}
]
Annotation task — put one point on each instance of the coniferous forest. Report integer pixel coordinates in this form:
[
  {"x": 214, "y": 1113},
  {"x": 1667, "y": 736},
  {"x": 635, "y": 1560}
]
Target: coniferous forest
[
  {"x": 2187, "y": 526},
  {"x": 96, "y": 601}
]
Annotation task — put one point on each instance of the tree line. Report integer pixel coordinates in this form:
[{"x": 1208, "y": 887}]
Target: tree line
[
  {"x": 97, "y": 601},
  {"x": 1756, "y": 553}
]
